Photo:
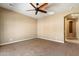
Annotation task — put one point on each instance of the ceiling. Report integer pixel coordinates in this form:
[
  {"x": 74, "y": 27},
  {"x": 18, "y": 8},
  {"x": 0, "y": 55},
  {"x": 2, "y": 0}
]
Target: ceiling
[{"x": 52, "y": 8}]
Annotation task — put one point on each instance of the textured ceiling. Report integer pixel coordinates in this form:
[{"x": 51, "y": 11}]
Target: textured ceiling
[{"x": 52, "y": 7}]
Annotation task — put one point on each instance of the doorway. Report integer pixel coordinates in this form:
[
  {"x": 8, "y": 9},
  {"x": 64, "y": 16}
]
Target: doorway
[{"x": 70, "y": 28}]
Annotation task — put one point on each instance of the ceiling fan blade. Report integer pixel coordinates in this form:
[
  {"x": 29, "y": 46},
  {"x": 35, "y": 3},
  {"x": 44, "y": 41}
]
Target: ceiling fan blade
[
  {"x": 43, "y": 6},
  {"x": 33, "y": 5},
  {"x": 42, "y": 11},
  {"x": 36, "y": 12}
]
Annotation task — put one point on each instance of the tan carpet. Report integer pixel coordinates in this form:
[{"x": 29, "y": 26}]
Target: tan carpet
[{"x": 39, "y": 47}]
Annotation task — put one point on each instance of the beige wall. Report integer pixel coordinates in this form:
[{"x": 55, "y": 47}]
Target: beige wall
[
  {"x": 77, "y": 28},
  {"x": 16, "y": 27},
  {"x": 52, "y": 27}
]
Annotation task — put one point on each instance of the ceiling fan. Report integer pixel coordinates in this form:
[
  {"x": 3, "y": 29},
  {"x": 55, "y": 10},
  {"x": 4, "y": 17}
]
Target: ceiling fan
[{"x": 38, "y": 8}]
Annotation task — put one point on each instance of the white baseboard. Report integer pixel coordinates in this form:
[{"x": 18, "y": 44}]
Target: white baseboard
[
  {"x": 15, "y": 41},
  {"x": 51, "y": 40},
  {"x": 30, "y": 39}
]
